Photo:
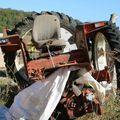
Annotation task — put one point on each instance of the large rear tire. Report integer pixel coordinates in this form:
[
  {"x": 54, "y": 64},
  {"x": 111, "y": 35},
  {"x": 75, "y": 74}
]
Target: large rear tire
[{"x": 24, "y": 29}]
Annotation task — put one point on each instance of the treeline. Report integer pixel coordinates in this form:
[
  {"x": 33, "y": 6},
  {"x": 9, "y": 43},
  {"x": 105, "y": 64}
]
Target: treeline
[{"x": 9, "y": 17}]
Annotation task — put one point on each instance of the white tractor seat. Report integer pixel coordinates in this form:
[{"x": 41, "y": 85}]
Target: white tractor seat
[{"x": 46, "y": 31}]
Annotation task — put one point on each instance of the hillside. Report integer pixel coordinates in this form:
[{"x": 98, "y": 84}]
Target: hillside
[{"x": 9, "y": 17}]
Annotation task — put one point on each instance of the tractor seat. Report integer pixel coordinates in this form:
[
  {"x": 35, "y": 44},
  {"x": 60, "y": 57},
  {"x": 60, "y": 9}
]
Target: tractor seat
[{"x": 46, "y": 32}]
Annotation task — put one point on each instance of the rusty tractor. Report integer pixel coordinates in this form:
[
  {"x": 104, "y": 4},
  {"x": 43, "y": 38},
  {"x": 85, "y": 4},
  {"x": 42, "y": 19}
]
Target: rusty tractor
[{"x": 40, "y": 44}]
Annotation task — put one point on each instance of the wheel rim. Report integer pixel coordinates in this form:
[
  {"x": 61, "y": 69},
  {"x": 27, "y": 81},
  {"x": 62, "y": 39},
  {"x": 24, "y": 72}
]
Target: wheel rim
[
  {"x": 101, "y": 48},
  {"x": 103, "y": 54}
]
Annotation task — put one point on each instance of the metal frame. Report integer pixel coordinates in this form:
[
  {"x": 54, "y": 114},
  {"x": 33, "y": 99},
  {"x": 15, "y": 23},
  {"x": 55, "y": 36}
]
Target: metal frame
[{"x": 35, "y": 68}]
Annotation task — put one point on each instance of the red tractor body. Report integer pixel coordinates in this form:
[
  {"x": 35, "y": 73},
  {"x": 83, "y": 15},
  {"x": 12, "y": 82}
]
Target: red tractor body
[{"x": 35, "y": 68}]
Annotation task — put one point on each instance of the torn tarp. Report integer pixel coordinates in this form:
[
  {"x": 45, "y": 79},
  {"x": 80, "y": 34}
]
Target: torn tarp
[
  {"x": 87, "y": 79},
  {"x": 38, "y": 101}
]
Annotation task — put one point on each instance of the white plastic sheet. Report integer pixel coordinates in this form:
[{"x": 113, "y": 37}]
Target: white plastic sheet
[
  {"x": 38, "y": 101},
  {"x": 87, "y": 79}
]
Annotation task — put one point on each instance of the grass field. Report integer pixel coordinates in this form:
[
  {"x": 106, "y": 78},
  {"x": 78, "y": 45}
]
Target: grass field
[{"x": 111, "y": 109}]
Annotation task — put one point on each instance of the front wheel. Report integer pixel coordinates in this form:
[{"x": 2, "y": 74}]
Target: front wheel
[{"x": 106, "y": 50}]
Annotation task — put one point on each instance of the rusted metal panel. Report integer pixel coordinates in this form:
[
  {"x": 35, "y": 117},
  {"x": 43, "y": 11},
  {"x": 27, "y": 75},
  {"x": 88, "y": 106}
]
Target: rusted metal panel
[
  {"x": 36, "y": 68},
  {"x": 10, "y": 43},
  {"x": 92, "y": 27}
]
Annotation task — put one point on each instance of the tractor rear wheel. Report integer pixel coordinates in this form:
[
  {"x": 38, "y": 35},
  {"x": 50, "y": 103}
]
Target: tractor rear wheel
[{"x": 14, "y": 63}]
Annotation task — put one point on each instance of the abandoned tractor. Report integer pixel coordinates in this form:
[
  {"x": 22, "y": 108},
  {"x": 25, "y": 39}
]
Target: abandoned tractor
[{"x": 44, "y": 42}]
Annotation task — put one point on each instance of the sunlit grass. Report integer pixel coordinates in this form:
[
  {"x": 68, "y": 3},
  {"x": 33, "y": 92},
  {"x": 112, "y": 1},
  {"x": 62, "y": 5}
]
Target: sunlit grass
[
  {"x": 111, "y": 110},
  {"x": 4, "y": 87}
]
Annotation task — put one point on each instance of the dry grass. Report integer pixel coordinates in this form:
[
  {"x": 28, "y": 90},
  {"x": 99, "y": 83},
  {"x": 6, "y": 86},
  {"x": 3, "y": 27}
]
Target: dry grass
[
  {"x": 5, "y": 84},
  {"x": 111, "y": 110}
]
